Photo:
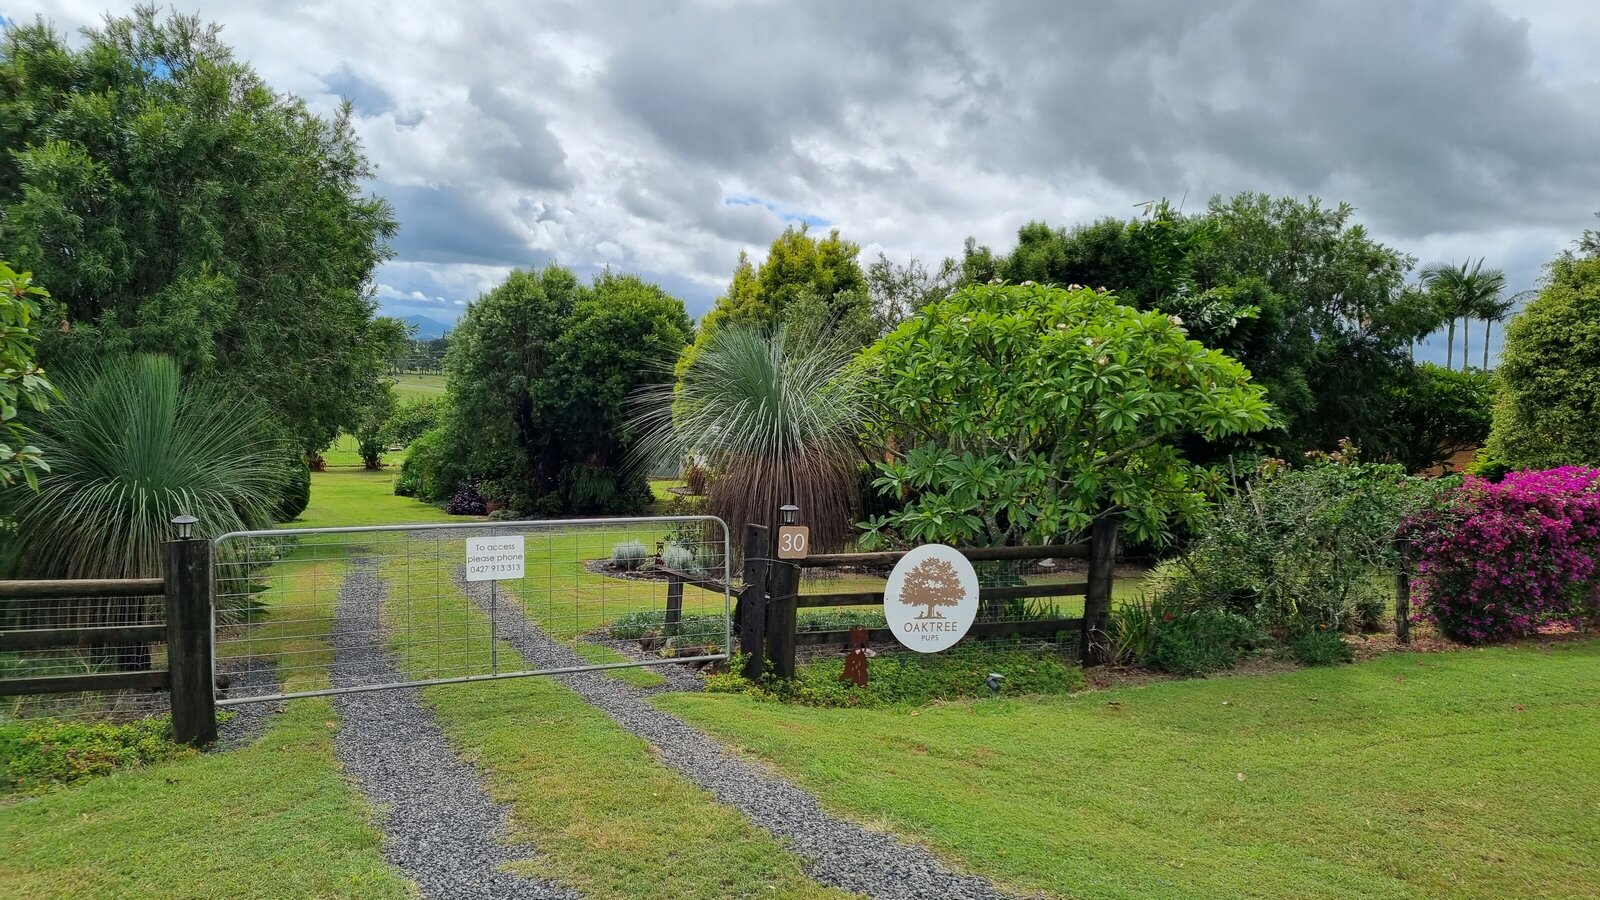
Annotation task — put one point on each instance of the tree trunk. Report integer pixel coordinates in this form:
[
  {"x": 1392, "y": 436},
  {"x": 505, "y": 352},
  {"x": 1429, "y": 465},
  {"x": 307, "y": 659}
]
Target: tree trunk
[
  {"x": 1487, "y": 324},
  {"x": 1466, "y": 343},
  {"x": 1450, "y": 346}
]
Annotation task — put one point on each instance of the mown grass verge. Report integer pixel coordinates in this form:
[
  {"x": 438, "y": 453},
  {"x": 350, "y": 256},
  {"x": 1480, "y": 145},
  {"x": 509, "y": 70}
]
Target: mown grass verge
[{"x": 1469, "y": 774}]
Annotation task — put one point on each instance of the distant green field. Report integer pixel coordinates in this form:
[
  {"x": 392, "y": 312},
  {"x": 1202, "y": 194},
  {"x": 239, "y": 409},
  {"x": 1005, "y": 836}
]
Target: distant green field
[{"x": 418, "y": 387}]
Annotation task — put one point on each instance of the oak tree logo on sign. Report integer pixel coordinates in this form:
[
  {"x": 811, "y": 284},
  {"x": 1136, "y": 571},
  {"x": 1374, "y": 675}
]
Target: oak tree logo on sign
[
  {"x": 931, "y": 598},
  {"x": 931, "y": 583}
]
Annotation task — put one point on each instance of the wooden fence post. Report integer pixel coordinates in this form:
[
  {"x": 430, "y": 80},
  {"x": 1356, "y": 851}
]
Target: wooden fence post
[
  {"x": 1097, "y": 600},
  {"x": 674, "y": 605},
  {"x": 783, "y": 583},
  {"x": 1402, "y": 592},
  {"x": 751, "y": 612},
  {"x": 186, "y": 573}
]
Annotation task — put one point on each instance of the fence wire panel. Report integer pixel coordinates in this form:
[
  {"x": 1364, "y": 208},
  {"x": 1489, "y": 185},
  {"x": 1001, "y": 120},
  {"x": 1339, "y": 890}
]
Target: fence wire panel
[
  {"x": 301, "y": 612},
  {"x": 46, "y": 638}
]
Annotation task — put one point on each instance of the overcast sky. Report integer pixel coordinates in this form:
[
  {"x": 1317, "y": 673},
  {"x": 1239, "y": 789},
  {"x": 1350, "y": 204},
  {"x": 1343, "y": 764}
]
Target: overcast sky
[{"x": 663, "y": 138}]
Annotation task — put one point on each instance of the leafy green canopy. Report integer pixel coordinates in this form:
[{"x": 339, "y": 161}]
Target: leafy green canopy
[
  {"x": 1317, "y": 310},
  {"x": 540, "y": 373},
  {"x": 812, "y": 286},
  {"x": 1547, "y": 413},
  {"x": 1017, "y": 414},
  {"x": 1439, "y": 413},
  {"x": 23, "y": 385},
  {"x": 130, "y": 446},
  {"x": 173, "y": 202}
]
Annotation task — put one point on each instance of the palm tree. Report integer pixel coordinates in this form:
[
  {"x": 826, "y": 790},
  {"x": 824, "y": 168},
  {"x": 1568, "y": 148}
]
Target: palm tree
[
  {"x": 1495, "y": 310},
  {"x": 130, "y": 447},
  {"x": 1461, "y": 292},
  {"x": 773, "y": 420}
]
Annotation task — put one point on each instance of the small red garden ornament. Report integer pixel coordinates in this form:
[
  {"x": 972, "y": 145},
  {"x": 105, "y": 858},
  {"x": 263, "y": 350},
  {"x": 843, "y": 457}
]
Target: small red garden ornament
[{"x": 855, "y": 662}]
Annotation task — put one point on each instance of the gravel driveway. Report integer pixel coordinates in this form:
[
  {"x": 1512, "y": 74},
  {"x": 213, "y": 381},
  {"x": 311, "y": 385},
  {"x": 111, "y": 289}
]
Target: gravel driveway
[
  {"x": 440, "y": 827},
  {"x": 838, "y": 853}
]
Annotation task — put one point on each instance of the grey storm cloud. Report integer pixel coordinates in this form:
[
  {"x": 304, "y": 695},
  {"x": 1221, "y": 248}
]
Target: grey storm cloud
[{"x": 665, "y": 138}]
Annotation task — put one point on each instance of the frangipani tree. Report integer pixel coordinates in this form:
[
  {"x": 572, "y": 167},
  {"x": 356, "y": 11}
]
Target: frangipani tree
[{"x": 1013, "y": 414}]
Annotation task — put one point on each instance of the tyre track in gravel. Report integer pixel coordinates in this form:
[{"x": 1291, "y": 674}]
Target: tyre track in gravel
[
  {"x": 838, "y": 853},
  {"x": 440, "y": 826}
]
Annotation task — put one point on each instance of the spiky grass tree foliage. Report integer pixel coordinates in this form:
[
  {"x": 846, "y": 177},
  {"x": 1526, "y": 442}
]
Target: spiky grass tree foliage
[
  {"x": 130, "y": 447},
  {"x": 774, "y": 421}
]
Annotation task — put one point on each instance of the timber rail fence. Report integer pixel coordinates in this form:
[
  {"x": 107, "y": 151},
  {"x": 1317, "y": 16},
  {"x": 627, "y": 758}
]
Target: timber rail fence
[
  {"x": 74, "y": 615},
  {"x": 769, "y": 601}
]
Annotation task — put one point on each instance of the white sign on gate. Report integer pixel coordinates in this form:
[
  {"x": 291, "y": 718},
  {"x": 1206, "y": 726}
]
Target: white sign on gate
[
  {"x": 495, "y": 558},
  {"x": 931, "y": 598}
]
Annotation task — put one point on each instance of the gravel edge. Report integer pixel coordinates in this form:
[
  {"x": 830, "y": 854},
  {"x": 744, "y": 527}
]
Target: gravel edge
[
  {"x": 250, "y": 676},
  {"x": 678, "y": 677}
]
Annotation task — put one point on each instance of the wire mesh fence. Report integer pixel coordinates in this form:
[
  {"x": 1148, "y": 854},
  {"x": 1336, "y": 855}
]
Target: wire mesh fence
[
  {"x": 84, "y": 634},
  {"x": 315, "y": 611}
]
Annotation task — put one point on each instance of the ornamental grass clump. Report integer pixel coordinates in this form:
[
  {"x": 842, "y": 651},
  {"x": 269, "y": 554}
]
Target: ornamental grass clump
[{"x": 1498, "y": 561}]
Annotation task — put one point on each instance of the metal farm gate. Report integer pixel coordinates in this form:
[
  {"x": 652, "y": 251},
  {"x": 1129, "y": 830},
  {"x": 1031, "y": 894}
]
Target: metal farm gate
[{"x": 314, "y": 611}]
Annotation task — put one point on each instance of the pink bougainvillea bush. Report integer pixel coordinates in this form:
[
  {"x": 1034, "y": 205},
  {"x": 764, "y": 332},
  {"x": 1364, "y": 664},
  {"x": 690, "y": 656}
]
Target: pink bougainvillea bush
[{"x": 1496, "y": 561}]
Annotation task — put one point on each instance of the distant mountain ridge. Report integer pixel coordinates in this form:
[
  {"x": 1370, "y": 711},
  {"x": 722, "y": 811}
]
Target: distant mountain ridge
[{"x": 427, "y": 329}]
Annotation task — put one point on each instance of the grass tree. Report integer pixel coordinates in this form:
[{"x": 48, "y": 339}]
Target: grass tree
[
  {"x": 774, "y": 420},
  {"x": 131, "y": 446}
]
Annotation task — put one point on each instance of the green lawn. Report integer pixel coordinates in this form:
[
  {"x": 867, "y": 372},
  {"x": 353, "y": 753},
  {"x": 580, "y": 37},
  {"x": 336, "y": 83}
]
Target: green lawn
[
  {"x": 566, "y": 599},
  {"x": 273, "y": 820},
  {"x": 418, "y": 387},
  {"x": 360, "y": 497},
  {"x": 1468, "y": 774}
]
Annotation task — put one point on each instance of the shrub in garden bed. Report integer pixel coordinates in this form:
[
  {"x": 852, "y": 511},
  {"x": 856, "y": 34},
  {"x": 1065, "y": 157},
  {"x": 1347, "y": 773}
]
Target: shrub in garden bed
[
  {"x": 913, "y": 679},
  {"x": 467, "y": 501},
  {"x": 629, "y": 556},
  {"x": 1320, "y": 647},
  {"x": 680, "y": 559},
  {"x": 1498, "y": 561},
  {"x": 1169, "y": 637},
  {"x": 1298, "y": 549},
  {"x": 836, "y": 619},
  {"x": 652, "y": 622},
  {"x": 53, "y": 752}
]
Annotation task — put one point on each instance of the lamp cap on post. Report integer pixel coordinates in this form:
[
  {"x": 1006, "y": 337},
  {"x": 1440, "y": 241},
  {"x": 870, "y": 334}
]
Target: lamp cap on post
[
  {"x": 788, "y": 514},
  {"x": 185, "y": 525}
]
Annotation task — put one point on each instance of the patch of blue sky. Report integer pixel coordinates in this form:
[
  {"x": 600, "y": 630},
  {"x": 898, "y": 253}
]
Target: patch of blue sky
[
  {"x": 158, "y": 68},
  {"x": 783, "y": 212}
]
